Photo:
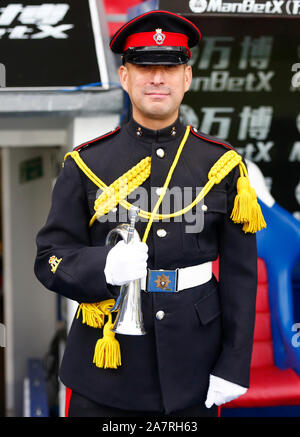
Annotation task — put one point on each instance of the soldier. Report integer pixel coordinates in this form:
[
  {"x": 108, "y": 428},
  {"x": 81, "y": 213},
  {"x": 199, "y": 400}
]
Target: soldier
[{"x": 196, "y": 352}]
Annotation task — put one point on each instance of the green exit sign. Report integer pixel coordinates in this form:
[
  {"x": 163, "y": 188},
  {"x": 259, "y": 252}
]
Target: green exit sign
[{"x": 31, "y": 169}]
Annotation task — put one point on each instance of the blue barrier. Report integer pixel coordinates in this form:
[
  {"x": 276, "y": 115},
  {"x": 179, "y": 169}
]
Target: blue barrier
[{"x": 38, "y": 402}]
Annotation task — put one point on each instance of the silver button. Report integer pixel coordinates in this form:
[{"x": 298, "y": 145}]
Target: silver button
[
  {"x": 204, "y": 207},
  {"x": 161, "y": 232},
  {"x": 160, "y": 153},
  {"x": 159, "y": 190},
  {"x": 160, "y": 315}
]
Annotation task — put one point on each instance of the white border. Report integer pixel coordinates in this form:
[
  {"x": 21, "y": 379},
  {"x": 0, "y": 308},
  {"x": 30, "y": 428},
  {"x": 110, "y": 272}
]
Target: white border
[
  {"x": 7, "y": 284},
  {"x": 96, "y": 25}
]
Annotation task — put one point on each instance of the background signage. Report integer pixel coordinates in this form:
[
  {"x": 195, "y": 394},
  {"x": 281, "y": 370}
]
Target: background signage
[
  {"x": 246, "y": 90},
  {"x": 48, "y": 44},
  {"x": 287, "y": 8}
]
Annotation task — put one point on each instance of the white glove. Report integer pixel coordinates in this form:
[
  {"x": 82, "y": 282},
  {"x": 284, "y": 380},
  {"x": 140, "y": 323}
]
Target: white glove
[
  {"x": 221, "y": 391},
  {"x": 126, "y": 262}
]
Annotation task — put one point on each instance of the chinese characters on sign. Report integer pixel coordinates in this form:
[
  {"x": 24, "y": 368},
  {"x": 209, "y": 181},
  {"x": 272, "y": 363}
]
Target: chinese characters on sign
[{"x": 246, "y": 90}]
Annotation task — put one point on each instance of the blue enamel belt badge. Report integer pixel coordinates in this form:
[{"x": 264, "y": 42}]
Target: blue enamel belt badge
[
  {"x": 162, "y": 281},
  {"x": 54, "y": 261}
]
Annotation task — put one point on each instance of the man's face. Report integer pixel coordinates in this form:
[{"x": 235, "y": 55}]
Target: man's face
[{"x": 155, "y": 91}]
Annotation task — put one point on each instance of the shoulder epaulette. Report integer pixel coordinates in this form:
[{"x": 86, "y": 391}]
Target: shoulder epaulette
[
  {"x": 211, "y": 139},
  {"x": 83, "y": 145}
]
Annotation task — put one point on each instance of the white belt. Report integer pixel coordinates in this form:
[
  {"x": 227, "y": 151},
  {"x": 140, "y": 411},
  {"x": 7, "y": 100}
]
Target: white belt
[{"x": 188, "y": 277}]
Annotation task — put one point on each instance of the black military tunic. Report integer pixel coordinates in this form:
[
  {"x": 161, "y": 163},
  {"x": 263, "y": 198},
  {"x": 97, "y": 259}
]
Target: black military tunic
[{"x": 205, "y": 329}]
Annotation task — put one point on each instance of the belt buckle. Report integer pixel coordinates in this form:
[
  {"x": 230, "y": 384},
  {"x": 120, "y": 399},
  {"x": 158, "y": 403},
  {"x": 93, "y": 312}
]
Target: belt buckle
[{"x": 162, "y": 280}]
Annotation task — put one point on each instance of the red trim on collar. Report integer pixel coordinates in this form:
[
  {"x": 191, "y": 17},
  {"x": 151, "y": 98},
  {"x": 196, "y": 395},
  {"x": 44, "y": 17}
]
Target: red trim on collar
[
  {"x": 208, "y": 139},
  {"x": 96, "y": 139}
]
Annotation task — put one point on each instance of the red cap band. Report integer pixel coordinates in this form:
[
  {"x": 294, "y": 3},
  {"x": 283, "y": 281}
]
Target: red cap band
[{"x": 144, "y": 39}]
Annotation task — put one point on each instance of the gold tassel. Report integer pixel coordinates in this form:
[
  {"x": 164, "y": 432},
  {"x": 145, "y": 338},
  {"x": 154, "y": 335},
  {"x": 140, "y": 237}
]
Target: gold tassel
[
  {"x": 257, "y": 221},
  {"x": 242, "y": 202},
  {"x": 107, "y": 351},
  {"x": 93, "y": 314},
  {"x": 246, "y": 209}
]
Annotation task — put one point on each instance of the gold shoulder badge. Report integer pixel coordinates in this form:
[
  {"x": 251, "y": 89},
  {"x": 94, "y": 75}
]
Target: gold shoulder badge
[
  {"x": 159, "y": 37},
  {"x": 54, "y": 261}
]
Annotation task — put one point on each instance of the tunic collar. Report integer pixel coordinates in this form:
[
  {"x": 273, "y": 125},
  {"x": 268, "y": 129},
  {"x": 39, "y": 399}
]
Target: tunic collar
[{"x": 169, "y": 133}]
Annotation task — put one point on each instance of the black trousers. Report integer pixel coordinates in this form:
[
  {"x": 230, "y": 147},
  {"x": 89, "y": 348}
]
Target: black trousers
[{"x": 80, "y": 406}]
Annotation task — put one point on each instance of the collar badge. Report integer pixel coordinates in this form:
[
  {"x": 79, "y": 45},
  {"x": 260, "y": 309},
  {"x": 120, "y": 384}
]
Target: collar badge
[{"x": 159, "y": 37}]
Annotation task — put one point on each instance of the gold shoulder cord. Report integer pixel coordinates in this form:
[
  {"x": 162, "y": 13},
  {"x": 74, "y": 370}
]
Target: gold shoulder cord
[{"x": 246, "y": 211}]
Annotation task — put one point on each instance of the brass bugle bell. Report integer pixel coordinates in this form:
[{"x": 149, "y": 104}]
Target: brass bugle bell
[{"x": 129, "y": 319}]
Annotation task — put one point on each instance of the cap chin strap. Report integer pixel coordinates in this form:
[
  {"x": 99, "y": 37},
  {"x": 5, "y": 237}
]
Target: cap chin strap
[{"x": 137, "y": 61}]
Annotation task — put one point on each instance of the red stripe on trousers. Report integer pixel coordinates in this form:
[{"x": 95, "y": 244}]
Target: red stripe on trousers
[{"x": 68, "y": 398}]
